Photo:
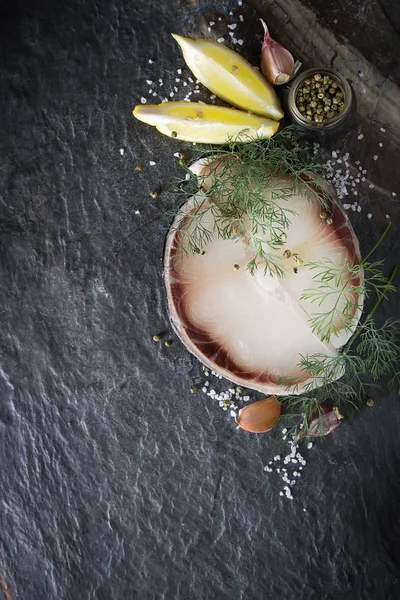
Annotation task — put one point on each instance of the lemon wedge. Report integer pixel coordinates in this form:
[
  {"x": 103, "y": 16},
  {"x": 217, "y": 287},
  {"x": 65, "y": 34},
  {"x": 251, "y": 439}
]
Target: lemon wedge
[
  {"x": 230, "y": 76},
  {"x": 198, "y": 122}
]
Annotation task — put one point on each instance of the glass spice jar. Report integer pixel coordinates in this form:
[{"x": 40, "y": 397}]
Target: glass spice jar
[{"x": 332, "y": 127}]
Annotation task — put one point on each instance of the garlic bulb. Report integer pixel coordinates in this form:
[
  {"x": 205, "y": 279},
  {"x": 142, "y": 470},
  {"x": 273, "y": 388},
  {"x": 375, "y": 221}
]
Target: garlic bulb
[{"x": 277, "y": 64}]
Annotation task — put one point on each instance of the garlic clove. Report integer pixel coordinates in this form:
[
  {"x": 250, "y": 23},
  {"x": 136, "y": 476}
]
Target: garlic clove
[
  {"x": 277, "y": 64},
  {"x": 260, "y": 416},
  {"x": 324, "y": 424}
]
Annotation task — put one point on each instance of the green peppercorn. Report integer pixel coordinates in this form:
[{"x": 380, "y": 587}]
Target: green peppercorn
[{"x": 194, "y": 389}]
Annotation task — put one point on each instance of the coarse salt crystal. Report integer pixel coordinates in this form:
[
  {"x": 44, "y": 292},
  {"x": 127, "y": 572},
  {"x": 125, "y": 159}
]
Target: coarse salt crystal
[
  {"x": 152, "y": 163},
  {"x": 240, "y": 2},
  {"x": 150, "y": 61},
  {"x": 360, "y": 137},
  {"x": 394, "y": 194},
  {"x": 233, "y": 413},
  {"x": 231, "y": 33},
  {"x": 143, "y": 100},
  {"x": 149, "y": 82},
  {"x": 346, "y": 206},
  {"x": 137, "y": 212},
  {"x": 376, "y": 157},
  {"x": 334, "y": 154},
  {"x": 371, "y": 185},
  {"x": 179, "y": 71},
  {"x": 383, "y": 130},
  {"x": 369, "y": 215},
  {"x": 387, "y": 216},
  {"x": 232, "y": 26},
  {"x": 240, "y": 42},
  {"x": 221, "y": 40},
  {"x": 171, "y": 94},
  {"x": 359, "y": 209},
  {"x": 212, "y": 97},
  {"x": 208, "y": 29},
  {"x": 241, "y": 18},
  {"x": 121, "y": 151},
  {"x": 380, "y": 145},
  {"x": 212, "y": 23}
]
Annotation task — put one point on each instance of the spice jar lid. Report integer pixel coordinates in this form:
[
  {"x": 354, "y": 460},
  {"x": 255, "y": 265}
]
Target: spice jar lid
[{"x": 329, "y": 124}]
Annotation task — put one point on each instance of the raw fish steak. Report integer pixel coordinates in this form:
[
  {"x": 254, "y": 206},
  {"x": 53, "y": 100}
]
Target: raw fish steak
[{"x": 253, "y": 329}]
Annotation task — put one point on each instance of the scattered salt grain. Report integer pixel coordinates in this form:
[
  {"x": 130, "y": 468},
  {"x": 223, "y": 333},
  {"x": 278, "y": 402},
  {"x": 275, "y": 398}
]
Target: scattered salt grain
[
  {"x": 380, "y": 145},
  {"x": 231, "y": 33},
  {"x": 346, "y": 206},
  {"x": 232, "y": 26},
  {"x": 171, "y": 94},
  {"x": 143, "y": 100},
  {"x": 179, "y": 71},
  {"x": 212, "y": 97},
  {"x": 376, "y": 157},
  {"x": 137, "y": 212},
  {"x": 371, "y": 186},
  {"x": 240, "y": 42},
  {"x": 369, "y": 215},
  {"x": 360, "y": 137},
  {"x": 121, "y": 151},
  {"x": 221, "y": 40},
  {"x": 241, "y": 18},
  {"x": 219, "y": 18},
  {"x": 152, "y": 163},
  {"x": 387, "y": 216},
  {"x": 149, "y": 82},
  {"x": 361, "y": 74},
  {"x": 208, "y": 29},
  {"x": 394, "y": 194},
  {"x": 240, "y": 2},
  {"x": 383, "y": 130},
  {"x": 150, "y": 61},
  {"x": 212, "y": 23}
]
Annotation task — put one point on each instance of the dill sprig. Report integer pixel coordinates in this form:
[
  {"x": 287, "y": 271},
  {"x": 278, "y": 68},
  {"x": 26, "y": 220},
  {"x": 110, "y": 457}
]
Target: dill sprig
[
  {"x": 345, "y": 286},
  {"x": 239, "y": 198},
  {"x": 346, "y": 381}
]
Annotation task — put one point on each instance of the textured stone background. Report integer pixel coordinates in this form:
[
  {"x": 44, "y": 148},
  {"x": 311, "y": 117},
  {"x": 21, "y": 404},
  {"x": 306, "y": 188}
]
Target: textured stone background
[{"x": 116, "y": 482}]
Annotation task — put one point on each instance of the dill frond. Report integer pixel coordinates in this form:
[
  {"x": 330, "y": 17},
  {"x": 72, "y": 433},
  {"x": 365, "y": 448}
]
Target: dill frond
[{"x": 240, "y": 191}]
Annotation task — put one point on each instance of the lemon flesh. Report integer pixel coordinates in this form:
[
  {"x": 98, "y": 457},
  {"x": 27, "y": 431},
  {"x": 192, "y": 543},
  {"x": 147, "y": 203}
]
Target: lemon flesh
[
  {"x": 198, "y": 122},
  {"x": 230, "y": 76}
]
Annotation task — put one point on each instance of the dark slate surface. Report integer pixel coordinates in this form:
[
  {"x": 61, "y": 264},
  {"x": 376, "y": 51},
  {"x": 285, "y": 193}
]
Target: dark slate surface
[{"x": 116, "y": 482}]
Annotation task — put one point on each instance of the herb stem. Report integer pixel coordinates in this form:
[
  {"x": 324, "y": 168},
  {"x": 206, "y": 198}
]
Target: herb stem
[
  {"x": 375, "y": 246},
  {"x": 381, "y": 296}
]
